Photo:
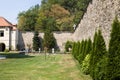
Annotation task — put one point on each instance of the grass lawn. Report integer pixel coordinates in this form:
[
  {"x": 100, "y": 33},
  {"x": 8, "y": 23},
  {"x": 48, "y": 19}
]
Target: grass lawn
[{"x": 55, "y": 67}]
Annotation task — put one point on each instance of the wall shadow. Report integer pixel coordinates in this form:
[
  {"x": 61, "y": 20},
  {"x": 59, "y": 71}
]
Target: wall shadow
[
  {"x": 21, "y": 43},
  {"x": 15, "y": 55}
]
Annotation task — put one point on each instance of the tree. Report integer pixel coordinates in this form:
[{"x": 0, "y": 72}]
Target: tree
[
  {"x": 49, "y": 40},
  {"x": 68, "y": 45},
  {"x": 98, "y": 57},
  {"x": 113, "y": 67},
  {"x": 27, "y": 19},
  {"x": 92, "y": 58},
  {"x": 36, "y": 41}
]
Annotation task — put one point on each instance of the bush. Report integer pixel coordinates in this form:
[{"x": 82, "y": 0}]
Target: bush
[
  {"x": 68, "y": 45},
  {"x": 85, "y": 64},
  {"x": 6, "y": 50}
]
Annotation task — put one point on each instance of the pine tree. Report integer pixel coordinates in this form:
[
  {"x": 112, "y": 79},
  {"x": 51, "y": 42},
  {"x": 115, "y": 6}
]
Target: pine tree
[
  {"x": 113, "y": 67},
  {"x": 36, "y": 41}
]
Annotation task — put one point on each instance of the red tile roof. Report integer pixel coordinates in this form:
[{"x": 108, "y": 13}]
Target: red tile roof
[{"x": 4, "y": 23}]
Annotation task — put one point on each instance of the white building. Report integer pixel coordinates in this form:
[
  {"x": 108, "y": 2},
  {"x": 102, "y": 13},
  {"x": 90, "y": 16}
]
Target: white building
[{"x": 8, "y": 35}]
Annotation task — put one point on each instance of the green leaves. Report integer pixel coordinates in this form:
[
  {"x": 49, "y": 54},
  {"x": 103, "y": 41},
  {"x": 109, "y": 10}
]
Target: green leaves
[
  {"x": 49, "y": 40},
  {"x": 65, "y": 13},
  {"x": 113, "y": 67},
  {"x": 36, "y": 41},
  {"x": 27, "y": 19}
]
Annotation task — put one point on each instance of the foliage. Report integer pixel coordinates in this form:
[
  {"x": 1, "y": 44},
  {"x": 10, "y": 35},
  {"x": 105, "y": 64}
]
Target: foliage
[
  {"x": 99, "y": 50},
  {"x": 85, "y": 64},
  {"x": 36, "y": 41},
  {"x": 113, "y": 67},
  {"x": 92, "y": 57},
  {"x": 6, "y": 50},
  {"x": 27, "y": 19},
  {"x": 68, "y": 45},
  {"x": 49, "y": 40},
  {"x": 64, "y": 13}
]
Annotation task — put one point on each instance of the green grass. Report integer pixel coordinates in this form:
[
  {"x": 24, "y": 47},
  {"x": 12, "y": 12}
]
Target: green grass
[{"x": 55, "y": 67}]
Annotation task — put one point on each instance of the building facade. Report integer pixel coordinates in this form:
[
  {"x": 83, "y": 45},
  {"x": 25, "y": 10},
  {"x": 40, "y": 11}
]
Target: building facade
[{"x": 8, "y": 35}]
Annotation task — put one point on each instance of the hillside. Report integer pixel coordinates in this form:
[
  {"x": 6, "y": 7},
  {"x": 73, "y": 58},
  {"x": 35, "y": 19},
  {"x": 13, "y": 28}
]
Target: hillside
[{"x": 56, "y": 14}]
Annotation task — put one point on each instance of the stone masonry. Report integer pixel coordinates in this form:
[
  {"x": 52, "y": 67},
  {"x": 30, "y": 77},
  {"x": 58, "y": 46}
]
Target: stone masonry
[
  {"x": 99, "y": 15},
  {"x": 26, "y": 38}
]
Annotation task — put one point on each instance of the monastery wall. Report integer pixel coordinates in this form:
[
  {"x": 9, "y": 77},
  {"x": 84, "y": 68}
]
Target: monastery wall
[
  {"x": 25, "y": 38},
  {"x": 99, "y": 15}
]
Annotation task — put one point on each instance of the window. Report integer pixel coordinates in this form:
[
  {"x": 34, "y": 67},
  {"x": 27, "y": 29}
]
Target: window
[{"x": 1, "y": 33}]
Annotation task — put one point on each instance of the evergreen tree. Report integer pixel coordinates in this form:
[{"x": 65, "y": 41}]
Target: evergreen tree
[
  {"x": 99, "y": 67},
  {"x": 49, "y": 40},
  {"x": 77, "y": 50},
  {"x": 88, "y": 46},
  {"x": 113, "y": 67},
  {"x": 73, "y": 48},
  {"x": 36, "y": 41},
  {"x": 92, "y": 60},
  {"x": 86, "y": 61},
  {"x": 81, "y": 51}
]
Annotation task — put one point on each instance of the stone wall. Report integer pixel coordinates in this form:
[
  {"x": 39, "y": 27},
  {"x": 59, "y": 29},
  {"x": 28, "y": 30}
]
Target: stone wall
[
  {"x": 25, "y": 38},
  {"x": 100, "y": 15}
]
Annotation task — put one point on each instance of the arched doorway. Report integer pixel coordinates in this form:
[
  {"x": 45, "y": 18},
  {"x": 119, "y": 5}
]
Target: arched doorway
[{"x": 2, "y": 46}]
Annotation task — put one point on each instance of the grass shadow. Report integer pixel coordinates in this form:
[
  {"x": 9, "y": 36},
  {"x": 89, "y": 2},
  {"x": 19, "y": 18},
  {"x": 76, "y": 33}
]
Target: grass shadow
[{"x": 15, "y": 55}]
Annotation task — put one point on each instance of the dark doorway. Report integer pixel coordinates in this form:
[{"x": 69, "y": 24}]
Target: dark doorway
[{"x": 2, "y": 46}]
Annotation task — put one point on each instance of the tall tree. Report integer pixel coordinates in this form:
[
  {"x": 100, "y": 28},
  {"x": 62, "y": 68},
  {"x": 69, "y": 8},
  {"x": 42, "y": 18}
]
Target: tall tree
[
  {"x": 27, "y": 19},
  {"x": 36, "y": 41},
  {"x": 113, "y": 67},
  {"x": 49, "y": 40}
]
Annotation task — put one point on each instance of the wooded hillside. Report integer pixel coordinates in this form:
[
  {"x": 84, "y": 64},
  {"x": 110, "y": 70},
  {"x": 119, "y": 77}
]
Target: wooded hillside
[{"x": 61, "y": 14}]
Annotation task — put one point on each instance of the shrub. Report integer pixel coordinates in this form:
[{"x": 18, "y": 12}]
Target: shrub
[
  {"x": 68, "y": 45},
  {"x": 85, "y": 64},
  {"x": 6, "y": 50}
]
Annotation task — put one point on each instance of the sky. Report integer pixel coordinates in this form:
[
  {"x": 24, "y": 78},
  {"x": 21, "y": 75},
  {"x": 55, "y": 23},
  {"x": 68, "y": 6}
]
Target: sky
[{"x": 9, "y": 9}]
